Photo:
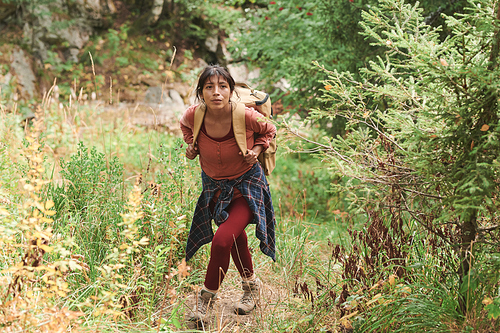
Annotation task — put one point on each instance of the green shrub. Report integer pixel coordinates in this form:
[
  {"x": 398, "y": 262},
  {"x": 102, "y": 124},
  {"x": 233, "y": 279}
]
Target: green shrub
[
  {"x": 89, "y": 202},
  {"x": 122, "y": 61}
]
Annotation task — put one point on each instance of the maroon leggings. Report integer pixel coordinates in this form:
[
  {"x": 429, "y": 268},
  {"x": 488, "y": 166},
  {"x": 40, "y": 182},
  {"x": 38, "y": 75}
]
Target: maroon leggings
[{"x": 230, "y": 233}]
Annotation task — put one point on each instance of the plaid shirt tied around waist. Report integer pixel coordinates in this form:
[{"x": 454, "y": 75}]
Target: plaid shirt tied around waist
[{"x": 254, "y": 188}]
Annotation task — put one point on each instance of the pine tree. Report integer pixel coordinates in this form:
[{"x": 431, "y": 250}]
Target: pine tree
[{"x": 423, "y": 127}]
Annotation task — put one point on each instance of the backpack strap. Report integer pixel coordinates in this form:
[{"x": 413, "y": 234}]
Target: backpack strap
[
  {"x": 239, "y": 127},
  {"x": 199, "y": 115}
]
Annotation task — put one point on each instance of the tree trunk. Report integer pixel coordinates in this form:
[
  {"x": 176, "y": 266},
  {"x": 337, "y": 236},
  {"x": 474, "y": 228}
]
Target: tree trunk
[
  {"x": 155, "y": 12},
  {"x": 469, "y": 232},
  {"x": 469, "y": 225},
  {"x": 108, "y": 7}
]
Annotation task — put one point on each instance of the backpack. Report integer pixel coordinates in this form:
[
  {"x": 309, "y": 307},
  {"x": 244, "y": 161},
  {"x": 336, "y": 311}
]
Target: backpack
[{"x": 249, "y": 97}]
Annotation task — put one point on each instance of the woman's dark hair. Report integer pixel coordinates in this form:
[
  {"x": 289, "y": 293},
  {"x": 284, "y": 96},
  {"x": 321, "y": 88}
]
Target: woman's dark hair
[{"x": 208, "y": 72}]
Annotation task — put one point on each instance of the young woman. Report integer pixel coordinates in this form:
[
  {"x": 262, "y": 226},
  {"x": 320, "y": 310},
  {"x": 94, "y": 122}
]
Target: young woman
[{"x": 235, "y": 190}]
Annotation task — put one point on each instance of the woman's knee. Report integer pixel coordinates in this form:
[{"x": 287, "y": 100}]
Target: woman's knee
[
  {"x": 222, "y": 244},
  {"x": 242, "y": 240}
]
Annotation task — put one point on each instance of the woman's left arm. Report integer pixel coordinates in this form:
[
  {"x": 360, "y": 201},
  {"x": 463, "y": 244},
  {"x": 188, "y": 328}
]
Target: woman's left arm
[{"x": 263, "y": 129}]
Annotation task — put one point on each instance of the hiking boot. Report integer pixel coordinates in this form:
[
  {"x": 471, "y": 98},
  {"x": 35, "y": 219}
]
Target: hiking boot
[
  {"x": 205, "y": 301},
  {"x": 250, "y": 298}
]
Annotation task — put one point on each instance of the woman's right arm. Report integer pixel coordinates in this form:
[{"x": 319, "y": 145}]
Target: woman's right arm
[{"x": 186, "y": 124}]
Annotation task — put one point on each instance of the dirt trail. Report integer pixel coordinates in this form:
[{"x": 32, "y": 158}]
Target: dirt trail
[{"x": 223, "y": 318}]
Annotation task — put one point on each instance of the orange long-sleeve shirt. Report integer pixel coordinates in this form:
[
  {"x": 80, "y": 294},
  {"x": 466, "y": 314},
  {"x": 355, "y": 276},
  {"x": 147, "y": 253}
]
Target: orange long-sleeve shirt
[{"x": 221, "y": 159}]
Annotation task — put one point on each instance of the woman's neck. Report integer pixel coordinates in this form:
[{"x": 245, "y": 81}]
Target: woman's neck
[{"x": 218, "y": 122}]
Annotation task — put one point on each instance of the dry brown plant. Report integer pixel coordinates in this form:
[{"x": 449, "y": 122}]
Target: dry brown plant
[
  {"x": 111, "y": 299},
  {"x": 31, "y": 288}
]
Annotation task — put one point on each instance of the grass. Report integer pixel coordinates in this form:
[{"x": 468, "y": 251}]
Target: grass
[
  {"x": 121, "y": 275},
  {"x": 94, "y": 220}
]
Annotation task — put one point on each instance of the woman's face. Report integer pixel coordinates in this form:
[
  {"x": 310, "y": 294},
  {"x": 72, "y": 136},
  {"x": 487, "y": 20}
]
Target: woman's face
[{"x": 216, "y": 93}]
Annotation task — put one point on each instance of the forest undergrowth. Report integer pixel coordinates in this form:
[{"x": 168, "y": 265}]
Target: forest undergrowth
[
  {"x": 94, "y": 220},
  {"x": 386, "y": 196}
]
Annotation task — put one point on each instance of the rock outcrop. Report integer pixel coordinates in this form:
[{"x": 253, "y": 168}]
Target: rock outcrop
[
  {"x": 46, "y": 24},
  {"x": 22, "y": 69}
]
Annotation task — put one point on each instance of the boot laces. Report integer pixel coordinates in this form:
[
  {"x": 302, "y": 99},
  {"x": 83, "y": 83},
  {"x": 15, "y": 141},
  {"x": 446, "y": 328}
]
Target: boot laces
[
  {"x": 247, "y": 297},
  {"x": 249, "y": 292},
  {"x": 203, "y": 304}
]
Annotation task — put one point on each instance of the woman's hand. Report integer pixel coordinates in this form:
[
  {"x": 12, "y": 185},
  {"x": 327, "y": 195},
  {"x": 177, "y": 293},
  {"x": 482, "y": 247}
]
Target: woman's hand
[
  {"x": 191, "y": 151},
  {"x": 252, "y": 154}
]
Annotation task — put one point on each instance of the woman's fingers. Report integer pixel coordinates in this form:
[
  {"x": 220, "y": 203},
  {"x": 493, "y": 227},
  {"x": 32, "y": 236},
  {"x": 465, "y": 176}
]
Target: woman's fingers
[
  {"x": 191, "y": 151},
  {"x": 251, "y": 157}
]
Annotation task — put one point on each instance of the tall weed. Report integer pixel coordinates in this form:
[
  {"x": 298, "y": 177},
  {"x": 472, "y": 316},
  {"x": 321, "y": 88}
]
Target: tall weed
[
  {"x": 31, "y": 287},
  {"x": 75, "y": 251},
  {"x": 89, "y": 203}
]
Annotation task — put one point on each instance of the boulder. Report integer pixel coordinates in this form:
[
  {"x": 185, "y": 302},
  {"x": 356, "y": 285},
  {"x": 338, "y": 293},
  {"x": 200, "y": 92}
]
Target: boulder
[
  {"x": 166, "y": 100},
  {"x": 21, "y": 66},
  {"x": 212, "y": 43},
  {"x": 177, "y": 101},
  {"x": 241, "y": 73},
  {"x": 154, "y": 95},
  {"x": 67, "y": 24}
]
